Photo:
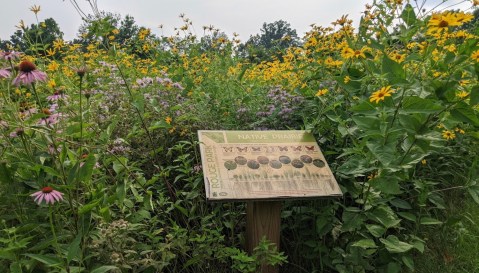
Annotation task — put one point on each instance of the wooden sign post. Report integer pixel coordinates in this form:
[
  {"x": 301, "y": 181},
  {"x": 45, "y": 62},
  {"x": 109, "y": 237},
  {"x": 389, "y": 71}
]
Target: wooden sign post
[{"x": 262, "y": 168}]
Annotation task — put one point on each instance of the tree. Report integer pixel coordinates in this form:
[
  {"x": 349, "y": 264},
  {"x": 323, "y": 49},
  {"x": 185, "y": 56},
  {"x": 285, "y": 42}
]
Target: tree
[
  {"x": 274, "y": 38},
  {"x": 36, "y": 38}
]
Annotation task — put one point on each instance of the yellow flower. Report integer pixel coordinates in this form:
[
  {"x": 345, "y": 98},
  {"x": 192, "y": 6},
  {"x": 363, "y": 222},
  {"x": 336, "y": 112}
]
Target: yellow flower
[
  {"x": 28, "y": 95},
  {"x": 347, "y": 79},
  {"x": 424, "y": 162},
  {"x": 168, "y": 120},
  {"x": 440, "y": 22},
  {"x": 448, "y": 135},
  {"x": 475, "y": 55},
  {"x": 462, "y": 94},
  {"x": 381, "y": 94},
  {"x": 53, "y": 66},
  {"x": 322, "y": 92},
  {"x": 459, "y": 130},
  {"x": 35, "y": 9},
  {"x": 399, "y": 58},
  {"x": 52, "y": 83},
  {"x": 58, "y": 44}
]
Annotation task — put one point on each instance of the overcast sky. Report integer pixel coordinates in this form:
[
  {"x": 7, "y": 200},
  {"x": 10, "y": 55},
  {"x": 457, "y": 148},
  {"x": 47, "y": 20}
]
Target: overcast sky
[{"x": 244, "y": 17}]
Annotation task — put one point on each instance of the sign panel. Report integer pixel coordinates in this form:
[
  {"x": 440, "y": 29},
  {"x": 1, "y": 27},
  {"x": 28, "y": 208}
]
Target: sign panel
[{"x": 255, "y": 165}]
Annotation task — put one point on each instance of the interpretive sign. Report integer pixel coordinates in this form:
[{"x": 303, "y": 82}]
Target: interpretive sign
[{"x": 254, "y": 165}]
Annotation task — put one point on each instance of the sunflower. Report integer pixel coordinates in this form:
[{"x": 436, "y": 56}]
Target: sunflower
[
  {"x": 440, "y": 22},
  {"x": 381, "y": 94},
  {"x": 475, "y": 55}
]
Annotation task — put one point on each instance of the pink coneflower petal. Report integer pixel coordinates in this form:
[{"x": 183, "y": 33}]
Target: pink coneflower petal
[
  {"x": 4, "y": 73},
  {"x": 39, "y": 198},
  {"x": 48, "y": 194},
  {"x": 28, "y": 74}
]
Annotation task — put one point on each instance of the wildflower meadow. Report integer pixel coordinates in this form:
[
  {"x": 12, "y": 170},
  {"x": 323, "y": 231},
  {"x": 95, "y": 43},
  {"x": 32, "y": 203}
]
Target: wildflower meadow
[{"x": 100, "y": 168}]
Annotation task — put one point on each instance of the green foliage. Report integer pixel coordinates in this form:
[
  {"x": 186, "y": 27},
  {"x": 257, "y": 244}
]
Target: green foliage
[{"x": 393, "y": 107}]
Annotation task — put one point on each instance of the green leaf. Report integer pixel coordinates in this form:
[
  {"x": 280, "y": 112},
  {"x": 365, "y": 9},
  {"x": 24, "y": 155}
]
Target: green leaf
[
  {"x": 119, "y": 165},
  {"x": 408, "y": 15},
  {"x": 385, "y": 216},
  {"x": 15, "y": 267},
  {"x": 399, "y": 203},
  {"x": 88, "y": 207},
  {"x": 48, "y": 260},
  {"x": 409, "y": 262},
  {"x": 74, "y": 250},
  {"x": 86, "y": 169},
  {"x": 429, "y": 221},
  {"x": 407, "y": 215},
  {"x": 393, "y": 245},
  {"x": 367, "y": 123},
  {"x": 5, "y": 176},
  {"x": 365, "y": 244},
  {"x": 474, "y": 97},
  {"x": 384, "y": 153},
  {"x": 463, "y": 112},
  {"x": 393, "y": 69},
  {"x": 376, "y": 230},
  {"x": 419, "y": 105},
  {"x": 364, "y": 107},
  {"x": 103, "y": 269},
  {"x": 385, "y": 184}
]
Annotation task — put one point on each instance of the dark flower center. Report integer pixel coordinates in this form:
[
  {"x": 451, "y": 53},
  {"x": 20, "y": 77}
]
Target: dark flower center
[
  {"x": 46, "y": 111},
  {"x": 27, "y": 66},
  {"x": 443, "y": 23},
  {"x": 47, "y": 189}
]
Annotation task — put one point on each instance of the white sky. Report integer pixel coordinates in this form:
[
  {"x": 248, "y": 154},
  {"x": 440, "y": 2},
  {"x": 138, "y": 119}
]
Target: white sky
[{"x": 244, "y": 17}]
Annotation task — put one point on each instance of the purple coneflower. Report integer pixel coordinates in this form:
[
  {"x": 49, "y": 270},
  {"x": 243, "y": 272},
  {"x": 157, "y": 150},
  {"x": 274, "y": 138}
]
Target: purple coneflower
[
  {"x": 28, "y": 74},
  {"x": 48, "y": 194},
  {"x": 4, "y": 73},
  {"x": 12, "y": 55}
]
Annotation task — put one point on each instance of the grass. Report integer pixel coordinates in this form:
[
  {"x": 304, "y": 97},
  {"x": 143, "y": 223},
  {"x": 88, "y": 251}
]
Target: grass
[{"x": 453, "y": 247}]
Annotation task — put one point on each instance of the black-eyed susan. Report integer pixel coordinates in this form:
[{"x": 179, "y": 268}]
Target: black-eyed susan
[
  {"x": 475, "y": 56},
  {"x": 448, "y": 134},
  {"x": 322, "y": 92},
  {"x": 381, "y": 94}
]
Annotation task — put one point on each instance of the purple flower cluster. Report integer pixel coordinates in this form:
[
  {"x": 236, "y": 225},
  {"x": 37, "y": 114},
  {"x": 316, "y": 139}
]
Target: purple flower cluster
[{"x": 282, "y": 106}]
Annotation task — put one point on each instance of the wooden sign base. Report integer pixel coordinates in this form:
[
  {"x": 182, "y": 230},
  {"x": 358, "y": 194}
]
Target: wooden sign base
[{"x": 263, "y": 218}]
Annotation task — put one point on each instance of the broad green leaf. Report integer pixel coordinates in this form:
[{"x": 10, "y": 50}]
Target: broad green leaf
[
  {"x": 86, "y": 169},
  {"x": 119, "y": 165},
  {"x": 407, "y": 215},
  {"x": 48, "y": 260},
  {"x": 365, "y": 243},
  {"x": 367, "y": 123},
  {"x": 408, "y": 15},
  {"x": 103, "y": 269},
  {"x": 376, "y": 230},
  {"x": 74, "y": 250},
  {"x": 385, "y": 184},
  {"x": 463, "y": 112},
  {"x": 400, "y": 203},
  {"x": 384, "y": 153},
  {"x": 408, "y": 261},
  {"x": 88, "y": 207},
  {"x": 364, "y": 107},
  {"x": 429, "y": 221},
  {"x": 419, "y": 105},
  {"x": 474, "y": 97},
  {"x": 393, "y": 69},
  {"x": 474, "y": 192},
  {"x": 385, "y": 216},
  {"x": 393, "y": 245}
]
